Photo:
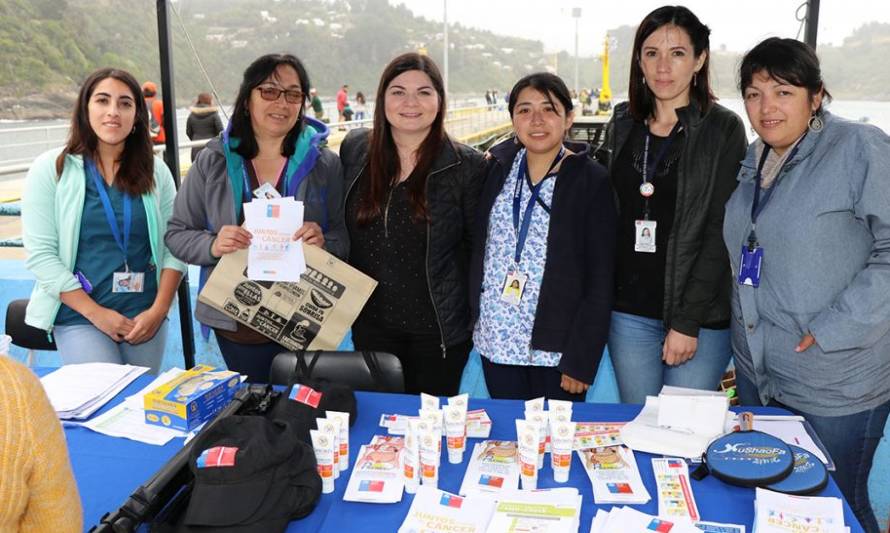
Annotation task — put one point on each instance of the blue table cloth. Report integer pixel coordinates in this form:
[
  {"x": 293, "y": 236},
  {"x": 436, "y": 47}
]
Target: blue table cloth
[{"x": 108, "y": 469}]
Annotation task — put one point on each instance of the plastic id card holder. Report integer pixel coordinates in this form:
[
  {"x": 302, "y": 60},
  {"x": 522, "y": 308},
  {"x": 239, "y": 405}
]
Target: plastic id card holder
[{"x": 750, "y": 265}]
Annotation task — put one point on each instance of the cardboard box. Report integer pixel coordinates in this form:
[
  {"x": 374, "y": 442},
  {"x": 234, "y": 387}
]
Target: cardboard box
[{"x": 192, "y": 398}]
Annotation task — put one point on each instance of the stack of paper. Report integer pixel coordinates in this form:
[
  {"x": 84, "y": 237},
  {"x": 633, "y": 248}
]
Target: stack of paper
[
  {"x": 675, "y": 498},
  {"x": 614, "y": 475},
  {"x": 377, "y": 476},
  {"x": 437, "y": 511},
  {"x": 273, "y": 254},
  {"x": 627, "y": 520},
  {"x": 793, "y": 430},
  {"x": 679, "y": 422},
  {"x": 541, "y": 511},
  {"x": 781, "y": 513},
  {"x": 127, "y": 419},
  {"x": 77, "y": 391},
  {"x": 493, "y": 468}
]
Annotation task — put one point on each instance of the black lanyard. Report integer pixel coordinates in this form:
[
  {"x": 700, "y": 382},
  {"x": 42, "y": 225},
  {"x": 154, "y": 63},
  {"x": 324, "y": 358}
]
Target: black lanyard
[
  {"x": 650, "y": 167},
  {"x": 758, "y": 204},
  {"x": 522, "y": 230}
]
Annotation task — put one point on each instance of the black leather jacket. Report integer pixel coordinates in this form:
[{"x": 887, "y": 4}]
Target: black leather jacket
[
  {"x": 697, "y": 273},
  {"x": 452, "y": 192}
]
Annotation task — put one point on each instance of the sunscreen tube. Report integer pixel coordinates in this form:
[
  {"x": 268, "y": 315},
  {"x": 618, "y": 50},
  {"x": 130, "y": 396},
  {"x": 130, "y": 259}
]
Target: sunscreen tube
[
  {"x": 455, "y": 432},
  {"x": 428, "y": 401},
  {"x": 324, "y": 456},
  {"x": 559, "y": 406},
  {"x": 539, "y": 420},
  {"x": 535, "y": 405},
  {"x": 527, "y": 438},
  {"x": 562, "y": 438},
  {"x": 411, "y": 458},
  {"x": 430, "y": 442},
  {"x": 331, "y": 428},
  {"x": 461, "y": 400},
  {"x": 433, "y": 417},
  {"x": 344, "y": 436}
]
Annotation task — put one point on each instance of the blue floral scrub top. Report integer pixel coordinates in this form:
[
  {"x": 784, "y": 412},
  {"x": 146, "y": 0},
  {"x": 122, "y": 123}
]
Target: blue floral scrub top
[{"x": 503, "y": 332}]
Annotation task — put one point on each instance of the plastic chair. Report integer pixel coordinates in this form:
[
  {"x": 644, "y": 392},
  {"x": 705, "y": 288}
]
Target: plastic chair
[
  {"x": 367, "y": 371},
  {"x": 23, "y": 335}
]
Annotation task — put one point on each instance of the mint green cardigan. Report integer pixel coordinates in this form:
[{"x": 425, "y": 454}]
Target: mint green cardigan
[{"x": 51, "y": 215}]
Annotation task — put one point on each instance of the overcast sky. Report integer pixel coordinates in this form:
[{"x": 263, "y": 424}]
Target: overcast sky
[{"x": 739, "y": 24}]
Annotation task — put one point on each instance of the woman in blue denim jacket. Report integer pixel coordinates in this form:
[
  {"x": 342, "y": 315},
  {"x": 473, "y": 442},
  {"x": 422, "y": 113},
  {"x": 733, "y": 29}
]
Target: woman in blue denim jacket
[{"x": 808, "y": 234}]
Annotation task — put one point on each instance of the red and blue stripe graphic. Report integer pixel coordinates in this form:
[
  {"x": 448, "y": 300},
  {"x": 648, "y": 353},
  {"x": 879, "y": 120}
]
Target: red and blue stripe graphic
[
  {"x": 218, "y": 456},
  {"x": 450, "y": 500}
]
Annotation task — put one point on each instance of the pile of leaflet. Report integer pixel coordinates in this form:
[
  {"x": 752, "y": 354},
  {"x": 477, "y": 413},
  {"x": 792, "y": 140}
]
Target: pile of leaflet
[{"x": 77, "y": 391}]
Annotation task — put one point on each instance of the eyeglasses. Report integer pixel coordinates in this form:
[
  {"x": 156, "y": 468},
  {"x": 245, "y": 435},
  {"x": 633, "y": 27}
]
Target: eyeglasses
[{"x": 271, "y": 94}]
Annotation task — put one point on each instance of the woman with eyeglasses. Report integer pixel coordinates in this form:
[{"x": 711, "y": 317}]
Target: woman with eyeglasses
[
  {"x": 410, "y": 202},
  {"x": 269, "y": 148}
]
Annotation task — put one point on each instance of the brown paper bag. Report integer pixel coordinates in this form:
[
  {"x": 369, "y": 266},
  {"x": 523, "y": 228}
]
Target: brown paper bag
[{"x": 312, "y": 314}]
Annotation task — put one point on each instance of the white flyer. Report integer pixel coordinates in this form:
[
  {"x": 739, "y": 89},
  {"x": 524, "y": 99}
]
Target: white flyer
[
  {"x": 437, "y": 511},
  {"x": 539, "y": 511},
  {"x": 597, "y": 434},
  {"x": 628, "y": 520},
  {"x": 614, "y": 475},
  {"x": 273, "y": 254},
  {"x": 376, "y": 476},
  {"x": 675, "y": 498},
  {"x": 493, "y": 467}
]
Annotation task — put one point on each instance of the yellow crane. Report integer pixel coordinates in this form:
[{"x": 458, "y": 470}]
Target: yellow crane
[{"x": 604, "y": 106}]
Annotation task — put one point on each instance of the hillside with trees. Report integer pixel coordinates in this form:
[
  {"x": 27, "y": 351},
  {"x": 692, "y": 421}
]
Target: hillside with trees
[{"x": 49, "y": 46}]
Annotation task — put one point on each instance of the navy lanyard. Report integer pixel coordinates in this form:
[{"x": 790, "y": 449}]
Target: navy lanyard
[
  {"x": 292, "y": 184},
  {"x": 122, "y": 242},
  {"x": 757, "y": 204},
  {"x": 522, "y": 231},
  {"x": 651, "y": 167}
]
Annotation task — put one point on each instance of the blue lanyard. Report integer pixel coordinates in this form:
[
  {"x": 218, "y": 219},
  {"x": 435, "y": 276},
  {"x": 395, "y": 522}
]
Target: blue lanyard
[
  {"x": 292, "y": 182},
  {"x": 124, "y": 242},
  {"x": 757, "y": 203},
  {"x": 522, "y": 231}
]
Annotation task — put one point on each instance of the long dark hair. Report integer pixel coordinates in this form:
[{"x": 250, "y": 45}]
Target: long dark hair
[
  {"x": 786, "y": 60},
  {"x": 640, "y": 98},
  {"x": 550, "y": 85},
  {"x": 383, "y": 159},
  {"x": 258, "y": 72},
  {"x": 135, "y": 175}
]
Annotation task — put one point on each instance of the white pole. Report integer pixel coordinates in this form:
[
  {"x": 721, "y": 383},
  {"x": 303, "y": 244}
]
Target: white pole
[
  {"x": 577, "y": 15},
  {"x": 445, "y": 65}
]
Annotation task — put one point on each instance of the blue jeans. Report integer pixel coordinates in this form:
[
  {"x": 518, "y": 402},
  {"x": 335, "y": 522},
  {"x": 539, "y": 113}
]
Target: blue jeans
[
  {"x": 635, "y": 345},
  {"x": 851, "y": 441},
  {"x": 84, "y": 343}
]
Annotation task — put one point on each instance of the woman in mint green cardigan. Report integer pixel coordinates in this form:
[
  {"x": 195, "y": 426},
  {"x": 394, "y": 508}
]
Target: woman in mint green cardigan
[{"x": 94, "y": 216}]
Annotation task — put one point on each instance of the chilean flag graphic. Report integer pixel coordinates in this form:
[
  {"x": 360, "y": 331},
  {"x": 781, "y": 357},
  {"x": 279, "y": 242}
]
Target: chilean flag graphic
[
  {"x": 305, "y": 395},
  {"x": 217, "y": 456},
  {"x": 450, "y": 500}
]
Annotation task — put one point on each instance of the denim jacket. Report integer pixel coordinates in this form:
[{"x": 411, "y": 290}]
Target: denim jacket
[{"x": 825, "y": 233}]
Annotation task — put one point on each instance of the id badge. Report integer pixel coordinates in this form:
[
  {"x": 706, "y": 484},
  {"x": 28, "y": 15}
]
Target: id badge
[
  {"x": 514, "y": 286},
  {"x": 749, "y": 266},
  {"x": 128, "y": 282},
  {"x": 266, "y": 191},
  {"x": 645, "y": 236}
]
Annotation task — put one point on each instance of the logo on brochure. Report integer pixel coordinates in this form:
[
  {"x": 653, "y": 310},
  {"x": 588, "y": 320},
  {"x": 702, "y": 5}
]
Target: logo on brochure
[
  {"x": 273, "y": 211},
  {"x": 675, "y": 463},
  {"x": 218, "y": 456},
  {"x": 619, "y": 488},
  {"x": 305, "y": 395},
  {"x": 368, "y": 485},
  {"x": 450, "y": 500},
  {"x": 491, "y": 481},
  {"x": 661, "y": 526}
]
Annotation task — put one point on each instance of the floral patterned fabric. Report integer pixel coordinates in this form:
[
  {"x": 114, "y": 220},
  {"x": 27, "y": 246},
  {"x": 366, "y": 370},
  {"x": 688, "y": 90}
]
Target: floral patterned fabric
[{"x": 503, "y": 332}]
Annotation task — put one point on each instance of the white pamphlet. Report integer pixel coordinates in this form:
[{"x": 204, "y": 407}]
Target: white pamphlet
[
  {"x": 782, "y": 513},
  {"x": 437, "y": 511},
  {"x": 376, "y": 476},
  {"x": 614, "y": 475},
  {"x": 675, "y": 498},
  {"x": 493, "y": 467},
  {"x": 273, "y": 254}
]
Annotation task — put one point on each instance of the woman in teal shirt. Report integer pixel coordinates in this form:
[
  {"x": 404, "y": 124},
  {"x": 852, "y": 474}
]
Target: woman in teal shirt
[{"x": 94, "y": 217}]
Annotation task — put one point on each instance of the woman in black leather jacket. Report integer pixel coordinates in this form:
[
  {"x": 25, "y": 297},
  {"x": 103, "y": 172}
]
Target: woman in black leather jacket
[
  {"x": 410, "y": 203},
  {"x": 673, "y": 155}
]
